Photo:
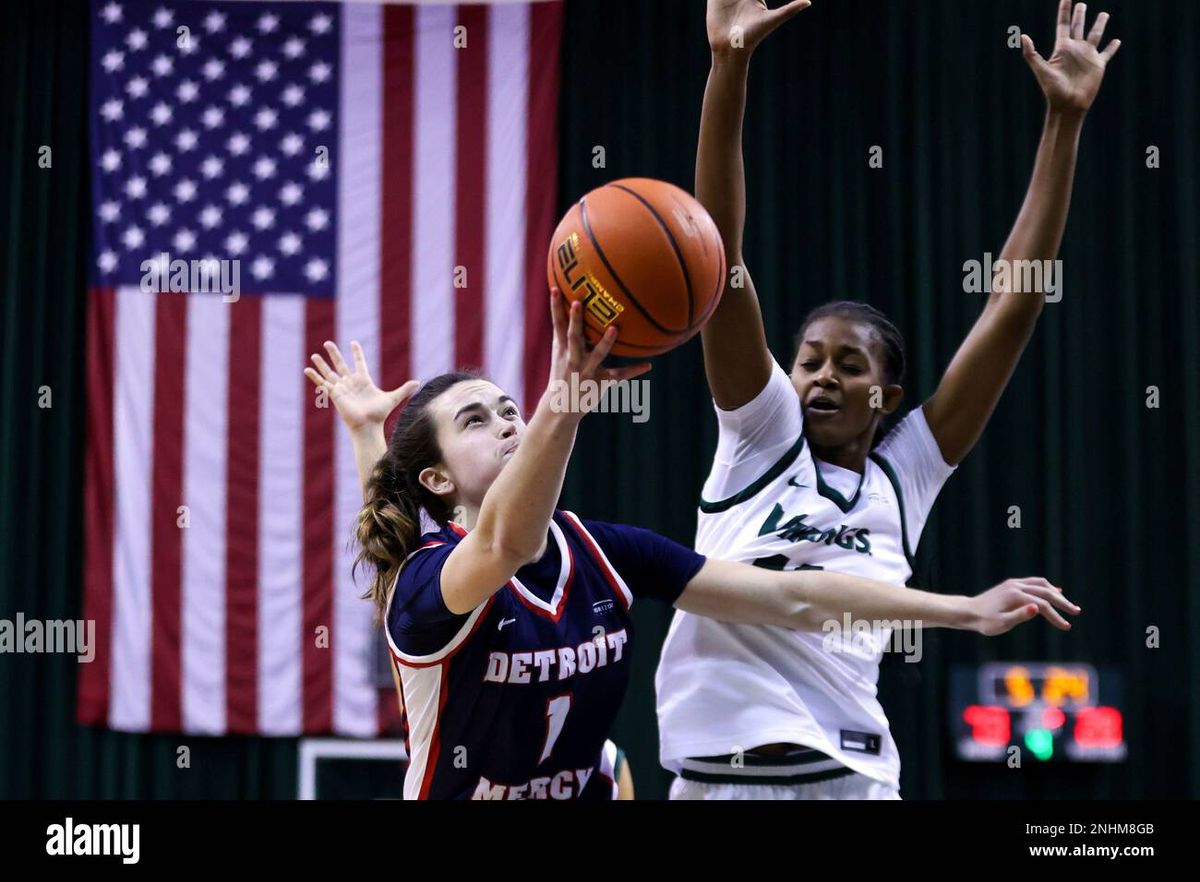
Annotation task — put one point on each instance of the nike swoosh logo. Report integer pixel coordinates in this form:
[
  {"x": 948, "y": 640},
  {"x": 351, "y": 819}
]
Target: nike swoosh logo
[
  {"x": 792, "y": 483},
  {"x": 504, "y": 622}
]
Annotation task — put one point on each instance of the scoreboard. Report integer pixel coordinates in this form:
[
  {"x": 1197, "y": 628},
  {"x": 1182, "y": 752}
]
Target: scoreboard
[{"x": 1052, "y": 711}]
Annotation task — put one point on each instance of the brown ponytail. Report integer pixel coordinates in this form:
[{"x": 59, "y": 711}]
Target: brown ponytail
[{"x": 389, "y": 524}]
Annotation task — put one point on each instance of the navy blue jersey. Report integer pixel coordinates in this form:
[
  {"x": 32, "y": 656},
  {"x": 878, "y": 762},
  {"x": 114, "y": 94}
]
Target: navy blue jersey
[{"x": 514, "y": 700}]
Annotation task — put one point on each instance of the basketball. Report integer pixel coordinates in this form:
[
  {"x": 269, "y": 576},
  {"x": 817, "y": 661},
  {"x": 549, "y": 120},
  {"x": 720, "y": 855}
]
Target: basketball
[{"x": 642, "y": 255}]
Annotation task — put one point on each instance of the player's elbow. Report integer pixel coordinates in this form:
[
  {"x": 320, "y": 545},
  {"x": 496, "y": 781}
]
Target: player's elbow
[
  {"x": 496, "y": 552},
  {"x": 799, "y": 611},
  {"x": 791, "y": 608},
  {"x": 513, "y": 549},
  {"x": 805, "y": 617}
]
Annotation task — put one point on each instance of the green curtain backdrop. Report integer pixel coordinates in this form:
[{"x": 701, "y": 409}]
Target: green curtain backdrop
[{"x": 1106, "y": 486}]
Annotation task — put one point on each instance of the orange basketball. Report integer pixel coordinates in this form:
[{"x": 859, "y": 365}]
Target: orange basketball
[{"x": 642, "y": 255}]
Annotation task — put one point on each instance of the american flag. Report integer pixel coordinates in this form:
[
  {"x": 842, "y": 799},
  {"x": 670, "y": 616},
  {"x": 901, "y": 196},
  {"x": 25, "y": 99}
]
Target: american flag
[{"x": 384, "y": 173}]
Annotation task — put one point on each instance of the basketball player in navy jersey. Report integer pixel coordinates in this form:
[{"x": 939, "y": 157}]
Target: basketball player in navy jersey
[{"x": 510, "y": 626}]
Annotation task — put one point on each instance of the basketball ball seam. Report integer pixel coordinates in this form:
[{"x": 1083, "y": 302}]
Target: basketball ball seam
[
  {"x": 687, "y": 276},
  {"x": 587, "y": 227}
]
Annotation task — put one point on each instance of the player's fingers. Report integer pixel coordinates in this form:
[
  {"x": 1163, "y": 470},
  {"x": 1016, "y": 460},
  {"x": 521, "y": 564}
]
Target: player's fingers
[
  {"x": 558, "y": 316},
  {"x": 360, "y": 360},
  {"x": 1035, "y": 580},
  {"x": 1110, "y": 50},
  {"x": 1048, "y": 612},
  {"x": 575, "y": 342},
  {"x": 1056, "y": 591},
  {"x": 1009, "y": 620},
  {"x": 1034, "y": 60},
  {"x": 335, "y": 355},
  {"x": 401, "y": 395},
  {"x": 1063, "y": 30},
  {"x": 1097, "y": 30},
  {"x": 326, "y": 371},
  {"x": 1078, "y": 20},
  {"x": 317, "y": 379},
  {"x": 600, "y": 351},
  {"x": 783, "y": 13},
  {"x": 1053, "y": 596}
]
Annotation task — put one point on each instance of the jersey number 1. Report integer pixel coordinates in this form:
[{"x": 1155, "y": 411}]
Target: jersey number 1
[{"x": 556, "y": 715}]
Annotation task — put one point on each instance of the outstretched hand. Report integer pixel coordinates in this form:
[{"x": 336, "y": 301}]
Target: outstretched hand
[
  {"x": 358, "y": 400},
  {"x": 740, "y": 25},
  {"x": 1071, "y": 77},
  {"x": 1014, "y": 601}
]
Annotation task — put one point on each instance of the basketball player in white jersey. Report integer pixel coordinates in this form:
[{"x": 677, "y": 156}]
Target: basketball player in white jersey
[{"x": 801, "y": 477}]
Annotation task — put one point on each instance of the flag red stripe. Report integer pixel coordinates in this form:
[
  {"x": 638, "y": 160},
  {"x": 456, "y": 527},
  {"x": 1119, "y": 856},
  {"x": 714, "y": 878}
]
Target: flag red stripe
[
  {"x": 98, "y": 499},
  {"x": 395, "y": 260},
  {"x": 241, "y": 517},
  {"x": 471, "y": 186},
  {"x": 166, "y": 496},
  {"x": 545, "y": 33},
  {"x": 395, "y": 235},
  {"x": 317, "y": 526}
]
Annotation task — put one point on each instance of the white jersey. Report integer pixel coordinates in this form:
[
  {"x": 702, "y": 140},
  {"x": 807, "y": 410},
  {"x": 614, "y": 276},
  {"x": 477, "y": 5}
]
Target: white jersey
[{"x": 724, "y": 688}]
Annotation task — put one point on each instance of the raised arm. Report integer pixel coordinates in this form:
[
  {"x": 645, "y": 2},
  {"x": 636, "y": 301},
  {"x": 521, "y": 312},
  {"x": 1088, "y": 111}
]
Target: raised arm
[
  {"x": 514, "y": 517},
  {"x": 979, "y": 371},
  {"x": 805, "y": 600},
  {"x": 736, "y": 358},
  {"x": 362, "y": 405}
]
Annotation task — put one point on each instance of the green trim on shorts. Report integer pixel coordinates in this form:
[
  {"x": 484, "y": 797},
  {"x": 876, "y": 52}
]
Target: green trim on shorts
[{"x": 810, "y": 778}]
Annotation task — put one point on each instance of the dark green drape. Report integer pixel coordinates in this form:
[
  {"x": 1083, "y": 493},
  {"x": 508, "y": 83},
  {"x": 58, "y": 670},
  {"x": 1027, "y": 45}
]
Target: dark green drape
[{"x": 1107, "y": 487}]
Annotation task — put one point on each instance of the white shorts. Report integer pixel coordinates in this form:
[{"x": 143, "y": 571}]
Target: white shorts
[{"x": 854, "y": 786}]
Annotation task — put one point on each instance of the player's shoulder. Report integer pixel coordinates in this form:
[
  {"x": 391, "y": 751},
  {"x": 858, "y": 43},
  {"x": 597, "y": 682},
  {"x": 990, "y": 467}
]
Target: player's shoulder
[
  {"x": 909, "y": 442},
  {"x": 612, "y": 545},
  {"x": 603, "y": 532},
  {"x": 777, "y": 391},
  {"x": 449, "y": 535},
  {"x": 596, "y": 537},
  {"x": 426, "y": 557}
]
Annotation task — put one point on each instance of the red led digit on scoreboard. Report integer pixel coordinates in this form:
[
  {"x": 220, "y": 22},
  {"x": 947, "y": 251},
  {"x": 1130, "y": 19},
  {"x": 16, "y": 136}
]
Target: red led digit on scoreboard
[
  {"x": 1098, "y": 727},
  {"x": 990, "y": 725}
]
